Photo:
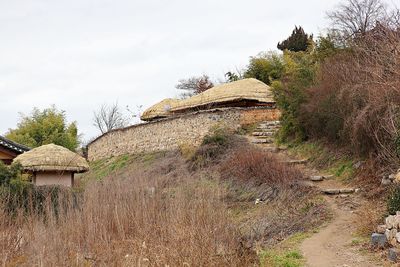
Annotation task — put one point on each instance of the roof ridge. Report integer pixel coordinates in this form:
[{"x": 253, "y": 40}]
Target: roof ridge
[{"x": 13, "y": 145}]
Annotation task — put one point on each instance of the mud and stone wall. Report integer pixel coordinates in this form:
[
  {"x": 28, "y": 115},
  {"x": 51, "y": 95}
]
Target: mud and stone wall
[{"x": 170, "y": 133}]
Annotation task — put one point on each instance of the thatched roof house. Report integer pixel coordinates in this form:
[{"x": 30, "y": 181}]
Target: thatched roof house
[
  {"x": 9, "y": 150},
  {"x": 52, "y": 164},
  {"x": 242, "y": 93}
]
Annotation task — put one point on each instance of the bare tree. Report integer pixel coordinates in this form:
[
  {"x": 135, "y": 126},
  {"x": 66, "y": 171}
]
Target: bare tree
[
  {"x": 108, "y": 118},
  {"x": 394, "y": 19},
  {"x": 194, "y": 85},
  {"x": 356, "y": 17}
]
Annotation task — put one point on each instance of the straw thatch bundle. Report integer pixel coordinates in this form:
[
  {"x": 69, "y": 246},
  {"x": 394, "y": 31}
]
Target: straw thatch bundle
[
  {"x": 246, "y": 89},
  {"x": 160, "y": 109},
  {"x": 52, "y": 158}
]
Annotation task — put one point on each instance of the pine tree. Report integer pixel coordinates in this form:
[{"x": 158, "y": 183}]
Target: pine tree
[{"x": 297, "y": 41}]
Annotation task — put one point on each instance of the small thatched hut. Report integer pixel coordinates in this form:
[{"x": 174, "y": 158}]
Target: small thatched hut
[
  {"x": 52, "y": 165},
  {"x": 243, "y": 93}
]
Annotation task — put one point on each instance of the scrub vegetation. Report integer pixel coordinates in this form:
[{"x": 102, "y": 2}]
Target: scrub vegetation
[{"x": 157, "y": 209}]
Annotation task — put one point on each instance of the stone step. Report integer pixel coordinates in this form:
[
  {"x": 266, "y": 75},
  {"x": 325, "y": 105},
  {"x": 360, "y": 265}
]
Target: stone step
[
  {"x": 268, "y": 128},
  {"x": 269, "y": 123},
  {"x": 335, "y": 191},
  {"x": 319, "y": 178},
  {"x": 269, "y": 133},
  {"x": 316, "y": 178},
  {"x": 262, "y": 141},
  {"x": 272, "y": 149}
]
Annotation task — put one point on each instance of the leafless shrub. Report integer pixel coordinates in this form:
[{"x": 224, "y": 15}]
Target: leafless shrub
[
  {"x": 357, "y": 100},
  {"x": 286, "y": 205},
  {"x": 256, "y": 166}
]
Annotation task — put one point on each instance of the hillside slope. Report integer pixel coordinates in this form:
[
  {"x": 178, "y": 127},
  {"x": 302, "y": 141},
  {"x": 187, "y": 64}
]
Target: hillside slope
[{"x": 257, "y": 200}]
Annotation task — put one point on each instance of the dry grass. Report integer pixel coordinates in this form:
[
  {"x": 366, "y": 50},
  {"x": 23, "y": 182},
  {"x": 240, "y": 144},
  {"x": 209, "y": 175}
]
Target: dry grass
[
  {"x": 134, "y": 220},
  {"x": 162, "y": 212},
  {"x": 369, "y": 216}
]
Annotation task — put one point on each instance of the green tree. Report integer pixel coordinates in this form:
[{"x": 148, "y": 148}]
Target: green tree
[
  {"x": 297, "y": 41},
  {"x": 265, "y": 67},
  {"x": 290, "y": 92},
  {"x": 232, "y": 76},
  {"x": 325, "y": 48},
  {"x": 43, "y": 127},
  {"x": 9, "y": 173}
]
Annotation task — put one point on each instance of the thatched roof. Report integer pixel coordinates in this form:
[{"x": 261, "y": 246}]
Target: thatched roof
[
  {"x": 52, "y": 158},
  {"x": 160, "y": 109},
  {"x": 246, "y": 89}
]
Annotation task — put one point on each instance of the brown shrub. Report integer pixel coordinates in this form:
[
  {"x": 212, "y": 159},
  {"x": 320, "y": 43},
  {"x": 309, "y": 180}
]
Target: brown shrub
[
  {"x": 287, "y": 205},
  {"x": 214, "y": 147},
  {"x": 259, "y": 167},
  {"x": 357, "y": 99}
]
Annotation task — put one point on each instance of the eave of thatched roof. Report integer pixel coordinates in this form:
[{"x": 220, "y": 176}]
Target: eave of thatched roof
[
  {"x": 242, "y": 90},
  {"x": 52, "y": 158},
  {"x": 246, "y": 89}
]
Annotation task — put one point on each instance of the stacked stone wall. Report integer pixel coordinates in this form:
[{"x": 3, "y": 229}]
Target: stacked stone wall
[{"x": 169, "y": 134}]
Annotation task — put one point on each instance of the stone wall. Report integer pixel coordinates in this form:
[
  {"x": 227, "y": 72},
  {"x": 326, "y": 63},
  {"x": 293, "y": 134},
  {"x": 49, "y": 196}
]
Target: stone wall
[{"x": 168, "y": 134}]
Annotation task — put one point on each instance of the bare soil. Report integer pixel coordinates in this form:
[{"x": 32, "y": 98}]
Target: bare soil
[{"x": 333, "y": 245}]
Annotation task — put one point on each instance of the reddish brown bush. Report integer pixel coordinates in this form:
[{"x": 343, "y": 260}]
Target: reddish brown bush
[
  {"x": 287, "y": 205},
  {"x": 256, "y": 166},
  {"x": 357, "y": 99}
]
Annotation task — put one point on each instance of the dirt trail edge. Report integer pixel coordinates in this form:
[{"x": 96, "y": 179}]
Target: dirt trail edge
[{"x": 332, "y": 245}]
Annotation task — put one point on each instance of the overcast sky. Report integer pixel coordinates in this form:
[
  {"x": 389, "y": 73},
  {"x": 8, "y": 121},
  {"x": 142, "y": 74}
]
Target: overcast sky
[{"x": 79, "y": 54}]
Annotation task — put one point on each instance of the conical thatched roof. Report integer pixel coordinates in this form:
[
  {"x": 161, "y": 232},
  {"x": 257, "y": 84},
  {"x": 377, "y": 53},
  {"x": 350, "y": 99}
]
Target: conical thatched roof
[
  {"x": 246, "y": 89},
  {"x": 52, "y": 158}
]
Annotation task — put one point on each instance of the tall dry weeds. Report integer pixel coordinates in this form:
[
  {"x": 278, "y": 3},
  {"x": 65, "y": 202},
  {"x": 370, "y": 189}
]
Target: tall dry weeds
[
  {"x": 128, "y": 221},
  {"x": 162, "y": 212}
]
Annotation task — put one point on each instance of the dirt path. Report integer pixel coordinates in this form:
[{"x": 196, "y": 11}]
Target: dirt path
[{"x": 331, "y": 246}]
